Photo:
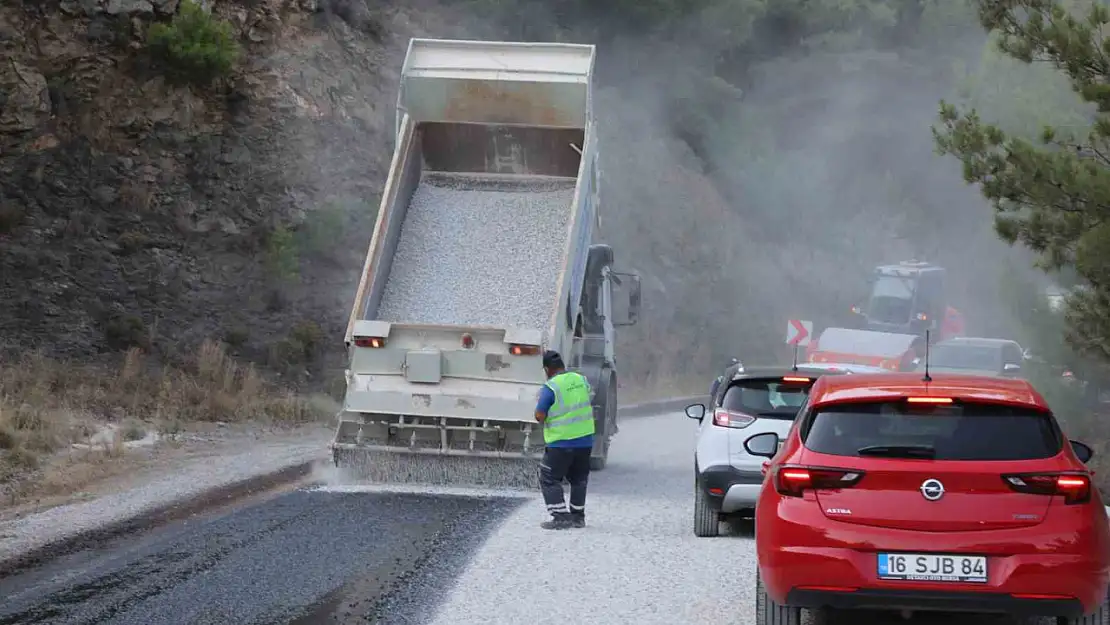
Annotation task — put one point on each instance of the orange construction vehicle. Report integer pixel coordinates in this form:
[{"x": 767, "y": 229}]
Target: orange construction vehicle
[{"x": 906, "y": 303}]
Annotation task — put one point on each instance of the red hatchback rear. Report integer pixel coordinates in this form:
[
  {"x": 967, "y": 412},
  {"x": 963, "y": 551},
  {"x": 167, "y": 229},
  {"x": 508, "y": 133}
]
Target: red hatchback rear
[{"x": 957, "y": 494}]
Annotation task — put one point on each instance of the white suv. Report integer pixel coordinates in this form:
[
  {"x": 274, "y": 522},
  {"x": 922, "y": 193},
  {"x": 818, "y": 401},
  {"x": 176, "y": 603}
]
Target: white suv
[{"x": 754, "y": 401}]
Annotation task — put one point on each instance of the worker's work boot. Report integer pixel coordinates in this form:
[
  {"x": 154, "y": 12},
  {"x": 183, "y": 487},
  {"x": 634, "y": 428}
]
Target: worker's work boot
[
  {"x": 559, "y": 521},
  {"x": 578, "y": 519}
]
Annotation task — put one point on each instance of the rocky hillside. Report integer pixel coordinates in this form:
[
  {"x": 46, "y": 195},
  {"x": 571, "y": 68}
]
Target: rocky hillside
[{"x": 139, "y": 211}]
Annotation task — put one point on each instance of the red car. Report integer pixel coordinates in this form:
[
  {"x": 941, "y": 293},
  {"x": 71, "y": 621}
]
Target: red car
[{"x": 958, "y": 494}]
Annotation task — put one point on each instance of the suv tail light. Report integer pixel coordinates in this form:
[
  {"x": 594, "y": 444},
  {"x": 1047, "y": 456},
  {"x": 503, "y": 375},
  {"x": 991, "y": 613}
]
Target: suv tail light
[
  {"x": 738, "y": 420},
  {"x": 1075, "y": 488},
  {"x": 792, "y": 481}
]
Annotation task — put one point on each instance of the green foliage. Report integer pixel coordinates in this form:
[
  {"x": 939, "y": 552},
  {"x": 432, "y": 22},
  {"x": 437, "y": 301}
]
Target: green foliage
[
  {"x": 1051, "y": 194},
  {"x": 300, "y": 348},
  {"x": 324, "y": 227},
  {"x": 195, "y": 46},
  {"x": 1021, "y": 98},
  {"x": 281, "y": 255},
  {"x": 123, "y": 332}
]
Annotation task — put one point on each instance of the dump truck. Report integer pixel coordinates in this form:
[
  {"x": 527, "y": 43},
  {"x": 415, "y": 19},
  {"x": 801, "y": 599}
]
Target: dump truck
[
  {"x": 909, "y": 298},
  {"x": 484, "y": 254},
  {"x": 905, "y": 307}
]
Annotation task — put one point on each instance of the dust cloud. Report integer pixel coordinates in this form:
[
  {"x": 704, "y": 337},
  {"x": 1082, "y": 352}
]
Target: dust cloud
[
  {"x": 764, "y": 186},
  {"x": 747, "y": 185}
]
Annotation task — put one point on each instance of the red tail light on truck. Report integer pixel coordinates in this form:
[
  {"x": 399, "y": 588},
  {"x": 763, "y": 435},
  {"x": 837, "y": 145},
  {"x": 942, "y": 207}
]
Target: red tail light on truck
[{"x": 369, "y": 341}]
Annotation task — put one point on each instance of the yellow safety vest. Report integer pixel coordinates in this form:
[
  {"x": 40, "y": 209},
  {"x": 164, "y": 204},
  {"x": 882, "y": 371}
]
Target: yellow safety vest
[{"x": 571, "y": 416}]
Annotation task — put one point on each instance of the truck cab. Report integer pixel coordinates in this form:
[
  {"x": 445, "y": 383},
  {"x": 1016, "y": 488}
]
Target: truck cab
[{"x": 907, "y": 298}]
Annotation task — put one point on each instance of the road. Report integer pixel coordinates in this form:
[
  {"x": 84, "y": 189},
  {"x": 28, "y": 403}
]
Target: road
[{"x": 341, "y": 555}]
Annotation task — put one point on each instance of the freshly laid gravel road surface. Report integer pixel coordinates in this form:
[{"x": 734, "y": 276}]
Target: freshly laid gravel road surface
[{"x": 343, "y": 554}]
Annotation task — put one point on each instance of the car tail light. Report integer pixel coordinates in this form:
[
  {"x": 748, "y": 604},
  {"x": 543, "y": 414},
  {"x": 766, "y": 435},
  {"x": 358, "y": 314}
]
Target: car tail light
[
  {"x": 792, "y": 481},
  {"x": 524, "y": 350},
  {"x": 369, "y": 341},
  {"x": 1075, "y": 488},
  {"x": 791, "y": 378},
  {"x": 737, "y": 420}
]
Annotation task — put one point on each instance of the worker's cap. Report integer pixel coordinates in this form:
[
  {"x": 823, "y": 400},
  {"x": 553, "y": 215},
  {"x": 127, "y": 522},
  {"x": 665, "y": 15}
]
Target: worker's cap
[{"x": 552, "y": 359}]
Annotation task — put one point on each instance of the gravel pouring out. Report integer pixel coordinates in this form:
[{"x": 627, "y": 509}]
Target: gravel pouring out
[
  {"x": 376, "y": 467},
  {"x": 476, "y": 251}
]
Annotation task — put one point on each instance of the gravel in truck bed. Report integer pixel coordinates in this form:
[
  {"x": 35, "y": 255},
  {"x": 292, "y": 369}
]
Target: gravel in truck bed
[{"x": 476, "y": 251}]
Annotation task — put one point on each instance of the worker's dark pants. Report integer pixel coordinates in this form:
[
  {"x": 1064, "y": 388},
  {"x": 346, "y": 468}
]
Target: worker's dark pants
[{"x": 572, "y": 464}]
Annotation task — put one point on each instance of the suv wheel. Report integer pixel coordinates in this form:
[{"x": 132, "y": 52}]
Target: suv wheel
[
  {"x": 767, "y": 612},
  {"x": 707, "y": 521},
  {"x": 1101, "y": 616}
]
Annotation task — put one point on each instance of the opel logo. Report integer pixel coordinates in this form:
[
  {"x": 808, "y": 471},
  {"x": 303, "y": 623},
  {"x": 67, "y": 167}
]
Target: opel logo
[{"x": 932, "y": 489}]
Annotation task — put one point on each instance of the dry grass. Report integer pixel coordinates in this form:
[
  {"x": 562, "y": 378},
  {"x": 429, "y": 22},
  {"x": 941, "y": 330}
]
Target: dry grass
[{"x": 46, "y": 407}]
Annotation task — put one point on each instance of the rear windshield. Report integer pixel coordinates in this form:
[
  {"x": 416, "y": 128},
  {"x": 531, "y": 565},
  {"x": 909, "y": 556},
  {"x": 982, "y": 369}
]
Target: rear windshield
[
  {"x": 949, "y": 432},
  {"x": 767, "y": 398}
]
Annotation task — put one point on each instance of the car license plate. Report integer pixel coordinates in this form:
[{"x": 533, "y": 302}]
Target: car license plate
[{"x": 923, "y": 567}]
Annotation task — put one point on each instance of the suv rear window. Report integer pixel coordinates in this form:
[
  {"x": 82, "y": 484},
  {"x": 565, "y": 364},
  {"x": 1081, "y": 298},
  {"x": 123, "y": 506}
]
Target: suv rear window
[
  {"x": 768, "y": 398},
  {"x": 944, "y": 432}
]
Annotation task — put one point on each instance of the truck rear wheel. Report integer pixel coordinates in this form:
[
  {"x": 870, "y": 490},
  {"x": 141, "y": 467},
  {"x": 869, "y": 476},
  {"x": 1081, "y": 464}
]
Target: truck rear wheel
[{"x": 607, "y": 393}]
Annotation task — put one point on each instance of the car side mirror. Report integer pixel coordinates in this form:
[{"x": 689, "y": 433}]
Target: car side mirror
[
  {"x": 1082, "y": 451},
  {"x": 696, "y": 411},
  {"x": 765, "y": 445},
  {"x": 1011, "y": 368}
]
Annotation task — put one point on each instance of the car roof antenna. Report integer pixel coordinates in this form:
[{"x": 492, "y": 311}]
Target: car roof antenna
[{"x": 927, "y": 378}]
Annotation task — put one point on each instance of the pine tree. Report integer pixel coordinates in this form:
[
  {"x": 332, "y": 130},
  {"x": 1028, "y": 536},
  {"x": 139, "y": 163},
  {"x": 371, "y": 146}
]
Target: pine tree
[{"x": 1051, "y": 194}]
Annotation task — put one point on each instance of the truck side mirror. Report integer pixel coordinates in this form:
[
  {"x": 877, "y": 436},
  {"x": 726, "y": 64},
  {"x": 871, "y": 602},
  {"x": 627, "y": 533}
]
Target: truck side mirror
[{"x": 634, "y": 293}]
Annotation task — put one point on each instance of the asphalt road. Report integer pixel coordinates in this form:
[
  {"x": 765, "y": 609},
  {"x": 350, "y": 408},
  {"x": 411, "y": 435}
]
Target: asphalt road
[
  {"x": 310, "y": 557},
  {"x": 333, "y": 556}
]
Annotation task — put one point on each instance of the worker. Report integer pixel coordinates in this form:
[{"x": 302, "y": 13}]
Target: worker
[{"x": 567, "y": 416}]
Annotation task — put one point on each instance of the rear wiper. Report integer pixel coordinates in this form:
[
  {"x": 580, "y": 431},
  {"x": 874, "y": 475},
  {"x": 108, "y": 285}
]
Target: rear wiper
[{"x": 898, "y": 451}]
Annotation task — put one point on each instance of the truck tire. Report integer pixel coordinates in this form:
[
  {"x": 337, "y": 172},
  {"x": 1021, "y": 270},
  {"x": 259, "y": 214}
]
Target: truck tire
[
  {"x": 607, "y": 392},
  {"x": 707, "y": 521},
  {"x": 767, "y": 612}
]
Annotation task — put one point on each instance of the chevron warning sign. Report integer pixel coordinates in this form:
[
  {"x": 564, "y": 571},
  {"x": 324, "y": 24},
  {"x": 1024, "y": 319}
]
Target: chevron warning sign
[{"x": 798, "y": 332}]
